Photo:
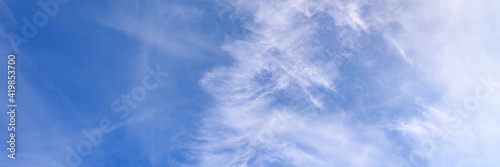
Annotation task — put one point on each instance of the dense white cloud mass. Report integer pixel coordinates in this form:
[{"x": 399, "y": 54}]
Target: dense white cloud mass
[
  {"x": 455, "y": 46},
  {"x": 416, "y": 60}
]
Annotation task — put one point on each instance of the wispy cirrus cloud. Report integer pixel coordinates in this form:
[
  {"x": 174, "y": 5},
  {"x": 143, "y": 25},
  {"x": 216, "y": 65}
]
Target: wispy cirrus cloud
[
  {"x": 422, "y": 56},
  {"x": 277, "y": 86}
]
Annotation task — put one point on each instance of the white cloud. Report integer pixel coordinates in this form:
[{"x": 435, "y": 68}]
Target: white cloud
[
  {"x": 451, "y": 43},
  {"x": 281, "y": 72}
]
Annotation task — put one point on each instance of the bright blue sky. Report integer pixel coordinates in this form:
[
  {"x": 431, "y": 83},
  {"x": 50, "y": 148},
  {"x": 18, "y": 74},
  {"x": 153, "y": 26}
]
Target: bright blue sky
[{"x": 259, "y": 83}]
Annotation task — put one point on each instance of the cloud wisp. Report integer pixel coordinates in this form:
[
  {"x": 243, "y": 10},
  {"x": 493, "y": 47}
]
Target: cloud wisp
[
  {"x": 269, "y": 107},
  {"x": 273, "y": 103}
]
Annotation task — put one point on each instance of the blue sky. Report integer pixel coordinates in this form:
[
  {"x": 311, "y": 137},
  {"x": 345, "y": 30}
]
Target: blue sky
[{"x": 315, "y": 83}]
